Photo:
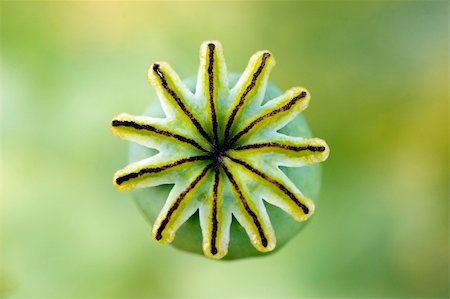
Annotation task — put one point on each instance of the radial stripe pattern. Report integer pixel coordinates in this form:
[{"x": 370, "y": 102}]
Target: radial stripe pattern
[{"x": 214, "y": 145}]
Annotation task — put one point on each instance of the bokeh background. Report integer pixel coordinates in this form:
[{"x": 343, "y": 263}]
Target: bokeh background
[{"x": 378, "y": 74}]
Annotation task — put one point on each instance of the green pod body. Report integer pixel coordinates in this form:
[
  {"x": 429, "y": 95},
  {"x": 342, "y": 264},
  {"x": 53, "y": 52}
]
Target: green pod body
[{"x": 189, "y": 237}]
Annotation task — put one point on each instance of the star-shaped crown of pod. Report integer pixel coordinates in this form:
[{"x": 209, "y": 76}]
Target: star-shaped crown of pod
[{"x": 221, "y": 149}]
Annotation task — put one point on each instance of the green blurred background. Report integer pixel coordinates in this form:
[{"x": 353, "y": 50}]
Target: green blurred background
[{"x": 378, "y": 74}]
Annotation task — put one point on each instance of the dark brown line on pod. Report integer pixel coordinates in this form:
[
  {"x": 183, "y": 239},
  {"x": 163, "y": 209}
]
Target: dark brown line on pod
[
  {"x": 270, "y": 114},
  {"x": 246, "y": 206},
  {"x": 212, "y": 48},
  {"x": 180, "y": 103},
  {"x": 177, "y": 203},
  {"x": 215, "y": 223},
  {"x": 311, "y": 148},
  {"x": 244, "y": 95},
  {"x": 272, "y": 181},
  {"x": 132, "y": 124},
  {"x": 143, "y": 171}
]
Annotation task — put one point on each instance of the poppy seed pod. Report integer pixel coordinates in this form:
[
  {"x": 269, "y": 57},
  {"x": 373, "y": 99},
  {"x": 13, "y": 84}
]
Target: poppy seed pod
[{"x": 226, "y": 162}]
